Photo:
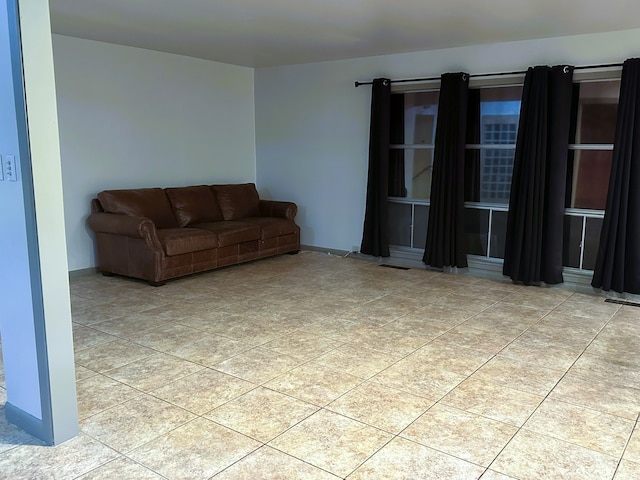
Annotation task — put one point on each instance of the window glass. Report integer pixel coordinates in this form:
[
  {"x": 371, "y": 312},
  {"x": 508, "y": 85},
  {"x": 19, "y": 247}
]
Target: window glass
[
  {"x": 591, "y": 178},
  {"x": 420, "y": 113},
  {"x": 596, "y": 112},
  {"x": 420, "y": 223},
  {"x": 399, "y": 224},
  {"x": 591, "y": 242},
  {"x": 421, "y": 163},
  {"x": 497, "y": 169},
  {"x": 483, "y": 237},
  {"x": 410, "y": 173},
  {"x": 499, "y": 114},
  {"x": 476, "y": 227},
  {"x": 498, "y": 234},
  {"x": 572, "y": 240},
  {"x": 493, "y": 120}
]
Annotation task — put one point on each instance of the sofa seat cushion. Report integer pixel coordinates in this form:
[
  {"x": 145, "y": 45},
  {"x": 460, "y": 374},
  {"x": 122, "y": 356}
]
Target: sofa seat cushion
[
  {"x": 272, "y": 227},
  {"x": 177, "y": 241},
  {"x": 193, "y": 205},
  {"x": 151, "y": 203},
  {"x": 237, "y": 201},
  {"x": 231, "y": 233}
]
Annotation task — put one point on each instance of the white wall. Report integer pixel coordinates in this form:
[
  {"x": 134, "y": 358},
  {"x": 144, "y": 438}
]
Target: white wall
[
  {"x": 130, "y": 117},
  {"x": 16, "y": 315},
  {"x": 312, "y": 125}
]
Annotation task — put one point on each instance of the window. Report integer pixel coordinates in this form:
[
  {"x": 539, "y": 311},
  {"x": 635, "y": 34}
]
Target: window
[
  {"x": 413, "y": 131},
  {"x": 595, "y": 109},
  {"x": 492, "y": 131}
]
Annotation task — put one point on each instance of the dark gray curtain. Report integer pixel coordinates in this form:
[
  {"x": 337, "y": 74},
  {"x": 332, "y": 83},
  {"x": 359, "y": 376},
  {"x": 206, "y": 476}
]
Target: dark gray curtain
[
  {"x": 397, "y": 186},
  {"x": 445, "y": 245},
  {"x": 375, "y": 235},
  {"x": 618, "y": 261},
  {"x": 534, "y": 237}
]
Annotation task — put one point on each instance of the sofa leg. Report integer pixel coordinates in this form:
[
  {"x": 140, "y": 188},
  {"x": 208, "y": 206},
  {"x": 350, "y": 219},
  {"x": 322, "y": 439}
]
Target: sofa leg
[
  {"x": 107, "y": 274},
  {"x": 157, "y": 284},
  {"x": 295, "y": 252}
]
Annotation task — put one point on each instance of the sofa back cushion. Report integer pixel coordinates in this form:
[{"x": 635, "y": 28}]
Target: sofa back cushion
[
  {"x": 141, "y": 202},
  {"x": 238, "y": 201},
  {"x": 193, "y": 205}
]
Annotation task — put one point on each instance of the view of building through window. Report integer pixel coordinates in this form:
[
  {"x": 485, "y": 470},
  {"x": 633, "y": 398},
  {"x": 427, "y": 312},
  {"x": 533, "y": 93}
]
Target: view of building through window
[{"x": 499, "y": 114}]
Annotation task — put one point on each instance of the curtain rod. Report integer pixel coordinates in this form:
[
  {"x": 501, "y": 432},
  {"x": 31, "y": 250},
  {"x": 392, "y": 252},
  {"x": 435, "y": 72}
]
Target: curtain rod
[{"x": 480, "y": 75}]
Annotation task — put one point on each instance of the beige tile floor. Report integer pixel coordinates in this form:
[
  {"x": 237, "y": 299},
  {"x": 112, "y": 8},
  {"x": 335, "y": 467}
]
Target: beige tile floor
[{"x": 318, "y": 367}]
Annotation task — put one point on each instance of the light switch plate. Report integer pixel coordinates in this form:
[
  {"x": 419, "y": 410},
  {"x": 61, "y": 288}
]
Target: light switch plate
[{"x": 9, "y": 168}]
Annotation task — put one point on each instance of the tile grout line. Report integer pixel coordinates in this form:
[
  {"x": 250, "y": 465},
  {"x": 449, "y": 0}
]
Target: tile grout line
[{"x": 550, "y": 391}]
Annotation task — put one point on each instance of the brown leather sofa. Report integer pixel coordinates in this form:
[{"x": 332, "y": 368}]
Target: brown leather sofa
[{"x": 156, "y": 234}]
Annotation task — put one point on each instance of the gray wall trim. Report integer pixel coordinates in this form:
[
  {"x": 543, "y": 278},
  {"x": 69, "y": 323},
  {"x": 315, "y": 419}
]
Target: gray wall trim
[
  {"x": 330, "y": 251},
  {"x": 30, "y": 424},
  {"x": 83, "y": 272},
  {"x": 574, "y": 280}
]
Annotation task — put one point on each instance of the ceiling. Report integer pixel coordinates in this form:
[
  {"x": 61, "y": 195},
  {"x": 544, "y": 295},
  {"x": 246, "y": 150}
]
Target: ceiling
[{"x": 262, "y": 33}]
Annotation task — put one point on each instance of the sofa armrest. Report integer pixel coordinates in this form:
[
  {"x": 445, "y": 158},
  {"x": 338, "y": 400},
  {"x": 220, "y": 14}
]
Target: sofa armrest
[
  {"x": 272, "y": 208},
  {"x": 125, "y": 225}
]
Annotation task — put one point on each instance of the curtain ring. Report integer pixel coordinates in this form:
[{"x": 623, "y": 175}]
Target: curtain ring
[
  {"x": 385, "y": 82},
  {"x": 464, "y": 77},
  {"x": 565, "y": 69}
]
